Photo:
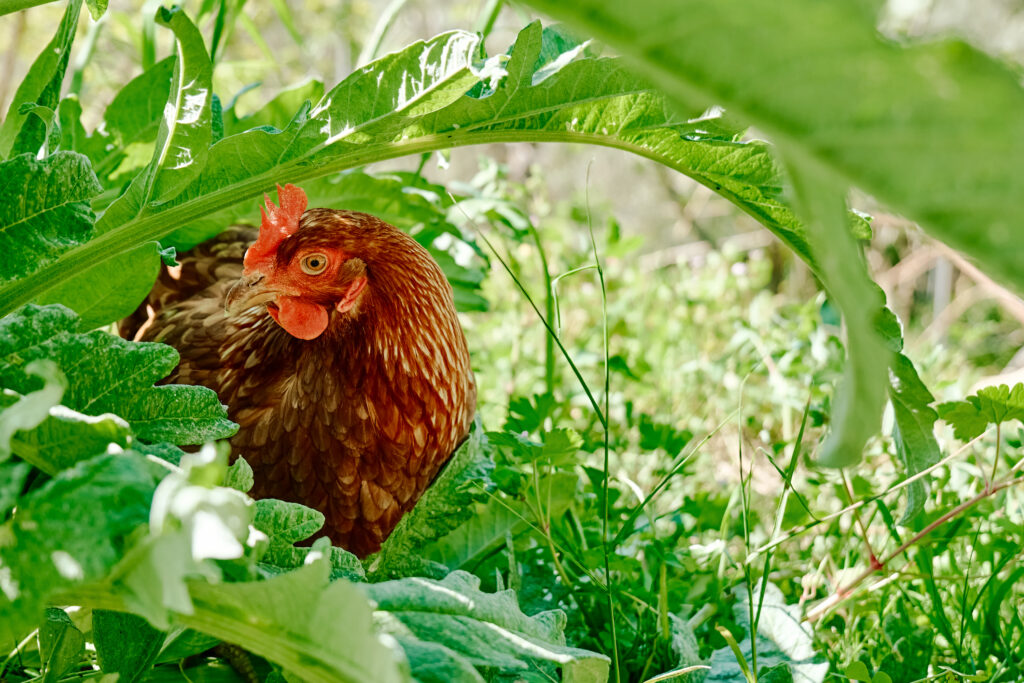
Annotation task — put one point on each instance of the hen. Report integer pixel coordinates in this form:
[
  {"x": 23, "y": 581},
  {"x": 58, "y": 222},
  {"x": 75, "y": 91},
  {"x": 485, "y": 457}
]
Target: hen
[{"x": 333, "y": 339}]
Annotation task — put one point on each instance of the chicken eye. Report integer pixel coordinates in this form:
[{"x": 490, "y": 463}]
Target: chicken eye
[{"x": 313, "y": 264}]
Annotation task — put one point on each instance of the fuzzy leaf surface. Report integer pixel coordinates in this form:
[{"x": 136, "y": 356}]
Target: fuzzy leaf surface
[
  {"x": 286, "y": 524},
  {"x": 51, "y": 214},
  {"x": 72, "y": 529}
]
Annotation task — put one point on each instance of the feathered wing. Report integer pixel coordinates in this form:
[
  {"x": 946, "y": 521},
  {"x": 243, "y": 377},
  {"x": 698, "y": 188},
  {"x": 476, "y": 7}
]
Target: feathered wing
[{"x": 185, "y": 308}]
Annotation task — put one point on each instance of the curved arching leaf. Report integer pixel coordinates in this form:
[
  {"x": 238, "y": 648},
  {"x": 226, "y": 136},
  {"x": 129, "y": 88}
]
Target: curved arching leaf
[
  {"x": 21, "y": 132},
  {"x": 435, "y": 95}
]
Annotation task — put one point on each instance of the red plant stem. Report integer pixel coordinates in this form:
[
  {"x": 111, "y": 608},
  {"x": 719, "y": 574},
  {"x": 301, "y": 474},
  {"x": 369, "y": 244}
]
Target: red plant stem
[
  {"x": 847, "y": 590},
  {"x": 859, "y": 521}
]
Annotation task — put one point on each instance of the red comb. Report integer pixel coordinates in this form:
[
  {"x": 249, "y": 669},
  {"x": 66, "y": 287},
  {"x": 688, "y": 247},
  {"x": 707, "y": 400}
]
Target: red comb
[{"x": 278, "y": 223}]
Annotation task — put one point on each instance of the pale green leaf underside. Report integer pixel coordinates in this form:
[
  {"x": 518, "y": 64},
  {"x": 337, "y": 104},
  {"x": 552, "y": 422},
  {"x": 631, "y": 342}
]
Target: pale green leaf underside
[
  {"x": 487, "y": 630},
  {"x": 935, "y": 131}
]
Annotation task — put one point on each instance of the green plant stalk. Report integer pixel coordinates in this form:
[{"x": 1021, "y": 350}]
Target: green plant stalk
[
  {"x": 149, "y": 227},
  {"x": 606, "y": 472},
  {"x": 488, "y": 16},
  {"x": 554, "y": 293},
  {"x": 624, "y": 531},
  {"x": 735, "y": 647},
  {"x": 86, "y": 53},
  {"x": 754, "y": 617},
  {"x": 543, "y": 514},
  {"x": 583, "y": 569},
  {"x": 372, "y": 45},
  {"x": 147, "y": 41},
  {"x": 963, "y": 594},
  {"x": 856, "y": 517},
  {"x": 999, "y": 440},
  {"x": 549, "y": 310},
  {"x": 561, "y": 347},
  {"x": 253, "y": 31}
]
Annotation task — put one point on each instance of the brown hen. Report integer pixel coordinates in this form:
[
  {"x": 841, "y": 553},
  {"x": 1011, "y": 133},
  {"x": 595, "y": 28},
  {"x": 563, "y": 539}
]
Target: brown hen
[{"x": 333, "y": 339}]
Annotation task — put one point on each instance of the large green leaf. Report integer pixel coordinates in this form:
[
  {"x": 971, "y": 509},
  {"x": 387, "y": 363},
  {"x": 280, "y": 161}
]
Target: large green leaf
[
  {"x": 317, "y": 629},
  {"x": 112, "y": 289},
  {"x": 132, "y": 122},
  {"x": 136, "y": 112},
  {"x": 913, "y": 431},
  {"x": 277, "y": 111},
  {"x": 51, "y": 214},
  {"x": 444, "y": 506},
  {"x": 66, "y": 437},
  {"x": 857, "y": 408},
  {"x": 936, "y": 131},
  {"x": 486, "y": 630},
  {"x": 71, "y": 530},
  {"x": 286, "y": 524},
  {"x": 125, "y": 644},
  {"x": 25, "y": 413},
  {"x": 61, "y": 644},
  {"x": 82, "y": 538},
  {"x": 183, "y": 141},
  {"x": 494, "y": 519},
  {"x": 24, "y": 133},
  {"x": 107, "y": 374},
  {"x": 783, "y": 641},
  {"x": 430, "y": 96}
]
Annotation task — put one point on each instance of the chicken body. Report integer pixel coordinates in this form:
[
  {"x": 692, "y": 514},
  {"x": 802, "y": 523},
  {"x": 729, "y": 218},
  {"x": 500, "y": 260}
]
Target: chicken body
[{"x": 356, "y": 421}]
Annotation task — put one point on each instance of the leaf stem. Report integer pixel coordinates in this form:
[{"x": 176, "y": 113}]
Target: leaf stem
[
  {"x": 380, "y": 29},
  {"x": 290, "y": 653},
  {"x": 995, "y": 463},
  {"x": 488, "y": 16}
]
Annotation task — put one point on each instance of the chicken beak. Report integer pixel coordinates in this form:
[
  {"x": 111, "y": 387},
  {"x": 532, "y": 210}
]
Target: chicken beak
[{"x": 248, "y": 292}]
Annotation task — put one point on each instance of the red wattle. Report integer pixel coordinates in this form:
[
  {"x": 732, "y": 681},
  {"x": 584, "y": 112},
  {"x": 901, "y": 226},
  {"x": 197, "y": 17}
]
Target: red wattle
[{"x": 300, "y": 318}]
